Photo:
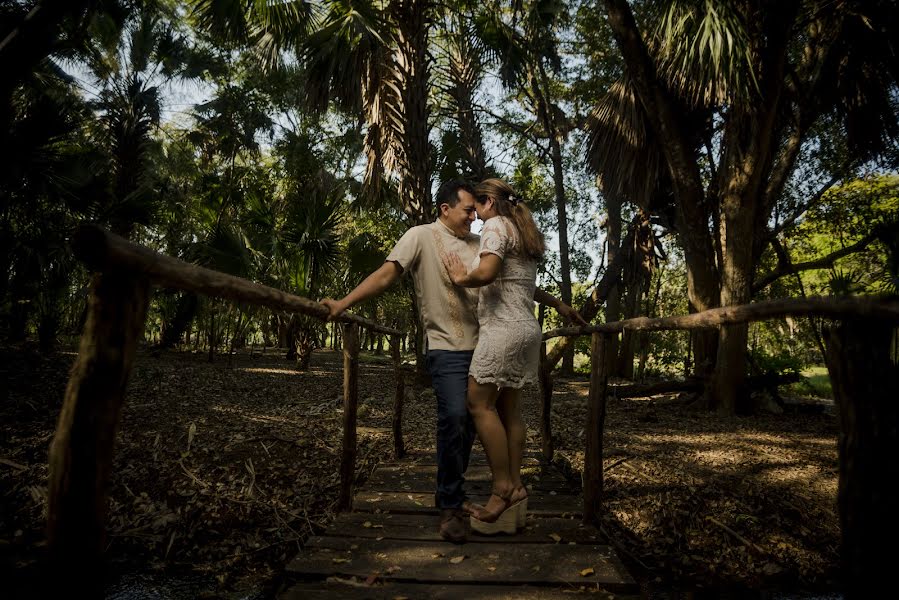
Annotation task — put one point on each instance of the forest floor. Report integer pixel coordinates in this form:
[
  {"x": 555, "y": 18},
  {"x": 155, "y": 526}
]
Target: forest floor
[{"x": 223, "y": 469}]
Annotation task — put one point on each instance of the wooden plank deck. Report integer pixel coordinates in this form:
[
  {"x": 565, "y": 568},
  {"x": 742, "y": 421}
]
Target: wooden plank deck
[{"x": 388, "y": 545}]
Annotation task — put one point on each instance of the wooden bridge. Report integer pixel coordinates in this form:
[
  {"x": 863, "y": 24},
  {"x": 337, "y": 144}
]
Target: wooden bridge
[
  {"x": 384, "y": 544},
  {"x": 388, "y": 545}
]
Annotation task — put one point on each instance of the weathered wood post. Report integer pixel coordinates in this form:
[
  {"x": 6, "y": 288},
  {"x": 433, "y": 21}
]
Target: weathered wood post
[
  {"x": 865, "y": 381},
  {"x": 596, "y": 418},
  {"x": 546, "y": 394},
  {"x": 350, "y": 404},
  {"x": 82, "y": 449},
  {"x": 399, "y": 449}
]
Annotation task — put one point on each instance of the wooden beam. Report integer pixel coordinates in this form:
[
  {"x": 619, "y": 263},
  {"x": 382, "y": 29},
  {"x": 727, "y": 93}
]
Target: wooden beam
[
  {"x": 876, "y": 307},
  {"x": 865, "y": 380},
  {"x": 350, "y": 405},
  {"x": 546, "y": 394},
  {"x": 82, "y": 449},
  {"x": 399, "y": 448},
  {"x": 596, "y": 418},
  {"x": 102, "y": 250}
]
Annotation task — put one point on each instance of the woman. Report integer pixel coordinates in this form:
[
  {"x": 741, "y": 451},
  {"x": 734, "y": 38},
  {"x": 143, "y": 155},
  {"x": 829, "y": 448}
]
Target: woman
[{"x": 507, "y": 353}]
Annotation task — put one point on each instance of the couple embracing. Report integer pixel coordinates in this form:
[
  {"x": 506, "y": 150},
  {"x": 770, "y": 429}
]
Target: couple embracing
[{"x": 476, "y": 298}]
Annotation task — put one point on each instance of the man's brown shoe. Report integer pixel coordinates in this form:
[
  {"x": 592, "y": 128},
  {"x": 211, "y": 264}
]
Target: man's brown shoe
[
  {"x": 454, "y": 525},
  {"x": 472, "y": 509}
]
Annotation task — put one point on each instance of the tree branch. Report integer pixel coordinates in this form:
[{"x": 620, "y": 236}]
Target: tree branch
[
  {"x": 789, "y": 221},
  {"x": 787, "y": 268},
  {"x": 611, "y": 277},
  {"x": 885, "y": 308}
]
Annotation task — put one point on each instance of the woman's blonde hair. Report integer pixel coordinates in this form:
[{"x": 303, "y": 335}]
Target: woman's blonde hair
[{"x": 509, "y": 204}]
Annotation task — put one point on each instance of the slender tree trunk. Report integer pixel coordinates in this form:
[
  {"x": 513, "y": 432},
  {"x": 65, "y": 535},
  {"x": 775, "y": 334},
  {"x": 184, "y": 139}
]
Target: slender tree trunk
[
  {"x": 638, "y": 274},
  {"x": 613, "y": 302},
  {"x": 564, "y": 261},
  {"x": 692, "y": 216}
]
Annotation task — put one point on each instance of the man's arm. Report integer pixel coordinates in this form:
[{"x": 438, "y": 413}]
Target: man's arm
[
  {"x": 563, "y": 309},
  {"x": 371, "y": 286}
]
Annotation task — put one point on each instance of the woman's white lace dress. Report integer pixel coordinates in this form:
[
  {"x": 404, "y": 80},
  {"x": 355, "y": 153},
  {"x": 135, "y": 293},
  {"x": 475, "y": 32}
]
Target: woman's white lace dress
[{"x": 508, "y": 350}]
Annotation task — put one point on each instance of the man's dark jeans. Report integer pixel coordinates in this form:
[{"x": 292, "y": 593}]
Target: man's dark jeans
[{"x": 455, "y": 429}]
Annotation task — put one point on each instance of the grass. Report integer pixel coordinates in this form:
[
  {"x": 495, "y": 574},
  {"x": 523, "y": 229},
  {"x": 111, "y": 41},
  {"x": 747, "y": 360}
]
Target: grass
[{"x": 816, "y": 383}]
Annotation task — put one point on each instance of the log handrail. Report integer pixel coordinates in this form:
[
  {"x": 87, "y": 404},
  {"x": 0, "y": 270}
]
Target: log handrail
[
  {"x": 876, "y": 307},
  {"x": 101, "y": 250},
  {"x": 83, "y": 445}
]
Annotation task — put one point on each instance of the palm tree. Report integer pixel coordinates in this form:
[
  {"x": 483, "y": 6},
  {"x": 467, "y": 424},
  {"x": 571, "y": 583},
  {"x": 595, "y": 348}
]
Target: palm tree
[
  {"x": 461, "y": 70},
  {"x": 373, "y": 61},
  {"x": 752, "y": 78},
  {"x": 523, "y": 42},
  {"x": 131, "y": 70}
]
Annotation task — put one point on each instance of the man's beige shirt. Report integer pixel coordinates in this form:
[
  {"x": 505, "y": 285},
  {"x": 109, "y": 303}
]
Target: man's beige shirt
[{"x": 449, "y": 312}]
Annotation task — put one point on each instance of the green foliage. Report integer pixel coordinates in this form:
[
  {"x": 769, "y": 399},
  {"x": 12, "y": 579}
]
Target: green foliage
[
  {"x": 846, "y": 214},
  {"x": 706, "y": 51},
  {"x": 774, "y": 360}
]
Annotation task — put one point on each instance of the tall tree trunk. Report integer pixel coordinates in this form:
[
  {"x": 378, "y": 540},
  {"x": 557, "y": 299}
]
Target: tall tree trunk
[
  {"x": 637, "y": 275},
  {"x": 613, "y": 300},
  {"x": 729, "y": 393},
  {"x": 692, "y": 215},
  {"x": 173, "y": 329},
  {"x": 412, "y": 71},
  {"x": 564, "y": 262}
]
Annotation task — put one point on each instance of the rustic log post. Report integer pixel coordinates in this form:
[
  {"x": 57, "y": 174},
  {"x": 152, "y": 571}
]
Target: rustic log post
[
  {"x": 399, "y": 449},
  {"x": 546, "y": 393},
  {"x": 82, "y": 449},
  {"x": 350, "y": 404},
  {"x": 865, "y": 380},
  {"x": 596, "y": 418}
]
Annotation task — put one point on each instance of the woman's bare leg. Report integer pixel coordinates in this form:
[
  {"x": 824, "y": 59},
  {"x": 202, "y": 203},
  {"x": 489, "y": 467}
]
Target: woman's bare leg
[
  {"x": 482, "y": 406},
  {"x": 507, "y": 406}
]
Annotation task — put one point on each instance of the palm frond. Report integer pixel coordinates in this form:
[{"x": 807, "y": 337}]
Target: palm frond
[
  {"x": 861, "y": 76},
  {"x": 268, "y": 28},
  {"x": 621, "y": 149},
  {"x": 503, "y": 45},
  {"x": 343, "y": 57},
  {"x": 704, "y": 50}
]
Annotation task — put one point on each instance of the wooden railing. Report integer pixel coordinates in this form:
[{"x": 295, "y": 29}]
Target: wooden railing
[
  {"x": 82, "y": 449},
  {"x": 864, "y": 372}
]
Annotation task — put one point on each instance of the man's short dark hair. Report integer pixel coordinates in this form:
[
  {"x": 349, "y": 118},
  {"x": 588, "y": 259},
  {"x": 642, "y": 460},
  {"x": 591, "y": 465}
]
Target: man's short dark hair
[{"x": 449, "y": 191}]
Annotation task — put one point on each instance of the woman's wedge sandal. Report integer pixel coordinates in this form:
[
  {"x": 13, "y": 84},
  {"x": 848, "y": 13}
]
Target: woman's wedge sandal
[
  {"x": 504, "y": 522},
  {"x": 522, "y": 505}
]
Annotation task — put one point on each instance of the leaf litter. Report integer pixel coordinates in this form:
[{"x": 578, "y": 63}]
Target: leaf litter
[{"x": 226, "y": 468}]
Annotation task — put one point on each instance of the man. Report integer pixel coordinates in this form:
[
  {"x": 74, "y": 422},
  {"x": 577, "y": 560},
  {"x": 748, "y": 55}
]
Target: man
[{"x": 449, "y": 315}]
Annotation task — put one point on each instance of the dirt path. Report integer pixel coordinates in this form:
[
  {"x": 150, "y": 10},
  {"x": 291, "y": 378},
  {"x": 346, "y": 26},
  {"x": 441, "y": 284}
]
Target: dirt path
[{"x": 224, "y": 469}]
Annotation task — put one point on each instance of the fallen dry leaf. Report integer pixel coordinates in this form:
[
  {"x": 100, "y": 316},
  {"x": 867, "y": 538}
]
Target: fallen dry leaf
[
  {"x": 587, "y": 572},
  {"x": 556, "y": 537},
  {"x": 457, "y": 559}
]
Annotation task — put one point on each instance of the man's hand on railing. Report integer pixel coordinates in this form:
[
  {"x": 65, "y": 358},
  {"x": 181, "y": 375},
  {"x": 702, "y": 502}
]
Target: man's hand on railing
[
  {"x": 335, "y": 307},
  {"x": 571, "y": 314}
]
